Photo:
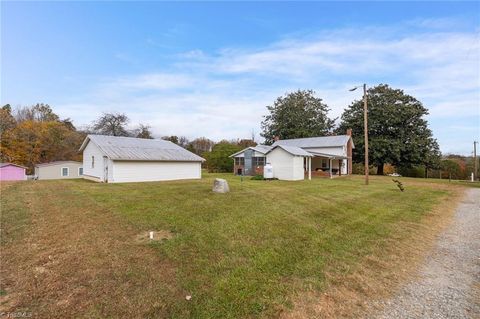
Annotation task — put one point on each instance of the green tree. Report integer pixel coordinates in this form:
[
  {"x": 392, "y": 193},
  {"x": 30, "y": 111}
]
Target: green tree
[
  {"x": 452, "y": 168},
  {"x": 218, "y": 160},
  {"x": 433, "y": 156},
  {"x": 398, "y": 133},
  {"x": 297, "y": 114}
]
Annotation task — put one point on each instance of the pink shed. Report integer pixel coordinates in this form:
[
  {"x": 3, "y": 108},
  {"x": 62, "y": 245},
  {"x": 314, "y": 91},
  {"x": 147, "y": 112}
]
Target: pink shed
[{"x": 12, "y": 172}]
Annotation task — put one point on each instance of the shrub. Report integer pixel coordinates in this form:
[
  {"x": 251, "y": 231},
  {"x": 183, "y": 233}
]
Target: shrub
[
  {"x": 414, "y": 171},
  {"x": 399, "y": 184}
]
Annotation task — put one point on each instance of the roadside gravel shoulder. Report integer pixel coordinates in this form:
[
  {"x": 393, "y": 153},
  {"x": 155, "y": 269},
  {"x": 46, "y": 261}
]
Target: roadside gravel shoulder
[{"x": 448, "y": 282}]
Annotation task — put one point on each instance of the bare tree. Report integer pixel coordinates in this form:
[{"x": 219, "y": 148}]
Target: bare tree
[
  {"x": 39, "y": 112},
  {"x": 143, "y": 131},
  {"x": 244, "y": 143},
  {"x": 183, "y": 142},
  {"x": 112, "y": 124},
  {"x": 201, "y": 145}
]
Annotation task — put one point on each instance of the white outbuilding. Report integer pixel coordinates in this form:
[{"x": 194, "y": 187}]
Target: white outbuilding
[
  {"x": 115, "y": 159},
  {"x": 289, "y": 162}
]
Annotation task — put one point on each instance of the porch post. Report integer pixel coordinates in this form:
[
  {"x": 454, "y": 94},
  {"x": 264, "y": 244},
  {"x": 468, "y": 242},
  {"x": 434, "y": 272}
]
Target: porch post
[
  {"x": 340, "y": 165},
  {"x": 309, "y": 168},
  {"x": 330, "y": 161}
]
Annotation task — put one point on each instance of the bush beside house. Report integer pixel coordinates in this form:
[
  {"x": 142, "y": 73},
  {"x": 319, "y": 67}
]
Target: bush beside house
[{"x": 218, "y": 160}]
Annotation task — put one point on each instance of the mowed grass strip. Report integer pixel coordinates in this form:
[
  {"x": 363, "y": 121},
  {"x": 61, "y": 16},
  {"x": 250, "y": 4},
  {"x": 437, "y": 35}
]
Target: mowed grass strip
[{"x": 241, "y": 254}]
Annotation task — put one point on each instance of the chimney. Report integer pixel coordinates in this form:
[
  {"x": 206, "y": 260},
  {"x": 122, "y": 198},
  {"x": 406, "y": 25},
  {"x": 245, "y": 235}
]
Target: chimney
[
  {"x": 276, "y": 138},
  {"x": 349, "y": 151}
]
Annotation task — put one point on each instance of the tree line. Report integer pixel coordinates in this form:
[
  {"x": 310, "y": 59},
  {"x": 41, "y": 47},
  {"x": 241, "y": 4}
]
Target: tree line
[
  {"x": 216, "y": 154},
  {"x": 398, "y": 133},
  {"x": 35, "y": 134}
]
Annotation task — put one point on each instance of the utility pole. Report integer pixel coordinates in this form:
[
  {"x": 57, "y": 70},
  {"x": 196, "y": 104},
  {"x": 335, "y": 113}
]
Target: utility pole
[
  {"x": 475, "y": 167},
  {"x": 365, "y": 127}
]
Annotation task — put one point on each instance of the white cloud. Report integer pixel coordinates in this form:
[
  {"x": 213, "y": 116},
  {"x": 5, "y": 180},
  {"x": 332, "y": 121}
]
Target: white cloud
[
  {"x": 153, "y": 81},
  {"x": 223, "y": 94},
  {"x": 436, "y": 23}
]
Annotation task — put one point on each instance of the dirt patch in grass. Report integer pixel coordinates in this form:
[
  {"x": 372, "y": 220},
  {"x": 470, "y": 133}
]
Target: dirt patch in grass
[
  {"x": 74, "y": 259},
  {"x": 350, "y": 293},
  {"x": 158, "y": 235}
]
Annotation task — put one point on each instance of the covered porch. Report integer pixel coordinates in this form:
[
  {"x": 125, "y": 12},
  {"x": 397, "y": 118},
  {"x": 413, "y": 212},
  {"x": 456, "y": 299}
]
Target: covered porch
[{"x": 325, "y": 165}]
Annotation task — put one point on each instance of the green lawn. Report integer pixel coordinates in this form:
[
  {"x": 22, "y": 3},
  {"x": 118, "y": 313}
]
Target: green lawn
[{"x": 241, "y": 254}]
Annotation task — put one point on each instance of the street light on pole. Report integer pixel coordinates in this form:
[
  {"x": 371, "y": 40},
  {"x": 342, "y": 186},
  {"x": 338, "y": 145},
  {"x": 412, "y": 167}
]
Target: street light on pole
[
  {"x": 365, "y": 126},
  {"x": 475, "y": 167}
]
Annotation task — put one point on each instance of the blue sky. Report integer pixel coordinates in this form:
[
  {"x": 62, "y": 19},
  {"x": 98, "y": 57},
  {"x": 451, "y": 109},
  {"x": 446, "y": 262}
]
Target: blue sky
[{"x": 209, "y": 69}]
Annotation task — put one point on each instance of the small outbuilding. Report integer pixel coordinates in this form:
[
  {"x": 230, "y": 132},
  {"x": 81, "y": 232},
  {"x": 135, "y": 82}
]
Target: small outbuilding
[
  {"x": 12, "y": 172},
  {"x": 115, "y": 159},
  {"x": 288, "y": 162},
  {"x": 59, "y": 170}
]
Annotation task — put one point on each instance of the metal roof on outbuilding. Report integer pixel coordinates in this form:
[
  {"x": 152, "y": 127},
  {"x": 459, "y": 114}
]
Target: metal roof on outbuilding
[
  {"x": 11, "y": 164},
  {"x": 296, "y": 151},
  {"x": 312, "y": 142},
  {"x": 139, "y": 149},
  {"x": 259, "y": 148},
  {"x": 56, "y": 163}
]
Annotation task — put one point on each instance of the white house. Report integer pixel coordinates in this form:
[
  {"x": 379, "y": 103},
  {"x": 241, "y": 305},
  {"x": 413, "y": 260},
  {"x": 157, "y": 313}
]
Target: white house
[
  {"x": 288, "y": 162},
  {"x": 114, "y": 159},
  {"x": 295, "y": 159}
]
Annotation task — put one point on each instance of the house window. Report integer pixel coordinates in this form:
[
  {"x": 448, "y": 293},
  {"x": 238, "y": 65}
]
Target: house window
[
  {"x": 239, "y": 161},
  {"x": 64, "y": 171},
  {"x": 93, "y": 161},
  {"x": 259, "y": 161},
  {"x": 324, "y": 163},
  {"x": 80, "y": 171}
]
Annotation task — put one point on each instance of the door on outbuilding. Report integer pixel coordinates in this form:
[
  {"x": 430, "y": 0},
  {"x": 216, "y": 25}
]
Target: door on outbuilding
[{"x": 105, "y": 169}]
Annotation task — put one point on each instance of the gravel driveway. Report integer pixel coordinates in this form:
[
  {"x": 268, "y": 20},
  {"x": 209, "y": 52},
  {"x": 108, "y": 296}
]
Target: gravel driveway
[{"x": 448, "y": 285}]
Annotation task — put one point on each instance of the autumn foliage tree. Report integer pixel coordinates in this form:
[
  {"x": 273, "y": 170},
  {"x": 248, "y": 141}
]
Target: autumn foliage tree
[
  {"x": 244, "y": 143},
  {"x": 7, "y": 121},
  {"x": 38, "y": 136},
  {"x": 452, "y": 168}
]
